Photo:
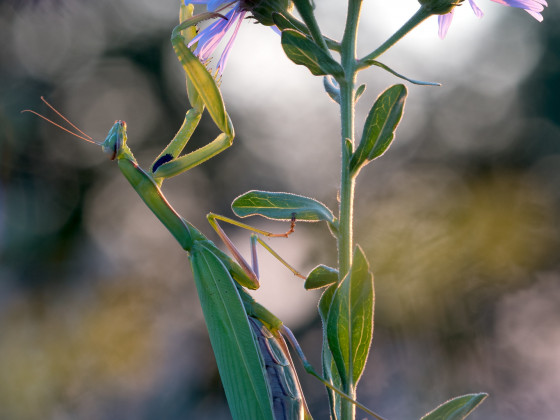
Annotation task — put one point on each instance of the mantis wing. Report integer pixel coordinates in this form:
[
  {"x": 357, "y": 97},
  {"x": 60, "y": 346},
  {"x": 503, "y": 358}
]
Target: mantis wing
[{"x": 237, "y": 355}]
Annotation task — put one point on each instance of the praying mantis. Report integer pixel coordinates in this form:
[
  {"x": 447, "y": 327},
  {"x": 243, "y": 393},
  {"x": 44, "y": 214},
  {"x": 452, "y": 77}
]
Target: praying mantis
[{"x": 248, "y": 340}]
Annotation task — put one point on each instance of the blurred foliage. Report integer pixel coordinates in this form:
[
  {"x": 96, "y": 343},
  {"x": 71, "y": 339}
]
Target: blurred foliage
[{"x": 460, "y": 220}]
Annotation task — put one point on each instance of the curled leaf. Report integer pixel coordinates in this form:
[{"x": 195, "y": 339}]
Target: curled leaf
[{"x": 321, "y": 276}]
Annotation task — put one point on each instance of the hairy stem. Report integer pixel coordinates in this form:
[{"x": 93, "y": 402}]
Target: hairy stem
[{"x": 345, "y": 235}]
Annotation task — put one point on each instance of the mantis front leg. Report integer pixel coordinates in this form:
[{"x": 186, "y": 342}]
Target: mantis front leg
[{"x": 203, "y": 93}]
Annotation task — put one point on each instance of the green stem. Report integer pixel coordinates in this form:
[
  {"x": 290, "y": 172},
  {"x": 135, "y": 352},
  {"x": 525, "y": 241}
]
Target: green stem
[
  {"x": 345, "y": 234},
  {"x": 421, "y": 15},
  {"x": 305, "y": 9}
]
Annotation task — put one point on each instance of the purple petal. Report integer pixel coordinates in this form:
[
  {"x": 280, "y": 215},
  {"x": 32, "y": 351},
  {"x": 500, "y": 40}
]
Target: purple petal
[
  {"x": 223, "y": 59},
  {"x": 478, "y": 13},
  {"x": 533, "y": 7},
  {"x": 444, "y": 21}
]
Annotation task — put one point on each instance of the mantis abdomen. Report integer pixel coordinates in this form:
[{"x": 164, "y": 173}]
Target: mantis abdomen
[{"x": 287, "y": 397}]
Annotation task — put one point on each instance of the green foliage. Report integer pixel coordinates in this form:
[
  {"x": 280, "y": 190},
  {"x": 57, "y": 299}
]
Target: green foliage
[
  {"x": 321, "y": 276},
  {"x": 350, "y": 321},
  {"x": 361, "y": 89},
  {"x": 380, "y": 126},
  {"x": 330, "y": 371},
  {"x": 400, "y": 76},
  {"x": 281, "y": 206},
  {"x": 456, "y": 408},
  {"x": 303, "y": 51},
  {"x": 332, "y": 90}
]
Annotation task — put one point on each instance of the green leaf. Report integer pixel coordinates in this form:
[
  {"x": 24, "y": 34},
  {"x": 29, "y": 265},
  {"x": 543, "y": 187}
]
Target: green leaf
[
  {"x": 350, "y": 321},
  {"x": 231, "y": 336},
  {"x": 332, "y": 90},
  {"x": 456, "y": 408},
  {"x": 281, "y": 206},
  {"x": 359, "y": 92},
  {"x": 394, "y": 73},
  {"x": 321, "y": 276},
  {"x": 380, "y": 126},
  {"x": 303, "y": 51},
  {"x": 282, "y": 22},
  {"x": 330, "y": 371}
]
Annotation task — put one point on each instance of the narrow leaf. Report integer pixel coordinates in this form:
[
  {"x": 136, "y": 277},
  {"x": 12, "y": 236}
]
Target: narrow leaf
[
  {"x": 321, "y": 276},
  {"x": 303, "y": 51},
  {"x": 281, "y": 206},
  {"x": 330, "y": 371},
  {"x": 380, "y": 126},
  {"x": 282, "y": 22},
  {"x": 456, "y": 408},
  {"x": 394, "y": 73},
  {"x": 350, "y": 320}
]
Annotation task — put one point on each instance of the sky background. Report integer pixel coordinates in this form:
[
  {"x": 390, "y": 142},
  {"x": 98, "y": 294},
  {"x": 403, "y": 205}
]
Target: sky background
[{"x": 459, "y": 219}]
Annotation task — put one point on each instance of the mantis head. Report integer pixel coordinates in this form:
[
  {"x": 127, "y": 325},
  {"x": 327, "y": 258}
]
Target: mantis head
[{"x": 115, "y": 141}]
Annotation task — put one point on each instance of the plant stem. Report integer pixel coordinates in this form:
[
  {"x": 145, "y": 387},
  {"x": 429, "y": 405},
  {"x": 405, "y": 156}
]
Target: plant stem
[{"x": 346, "y": 209}]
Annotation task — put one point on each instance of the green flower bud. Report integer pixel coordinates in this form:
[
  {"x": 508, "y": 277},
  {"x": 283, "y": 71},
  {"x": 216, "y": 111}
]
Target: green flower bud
[
  {"x": 439, "y": 7},
  {"x": 262, "y": 10}
]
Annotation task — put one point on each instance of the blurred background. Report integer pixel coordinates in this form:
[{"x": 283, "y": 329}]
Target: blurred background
[{"x": 460, "y": 219}]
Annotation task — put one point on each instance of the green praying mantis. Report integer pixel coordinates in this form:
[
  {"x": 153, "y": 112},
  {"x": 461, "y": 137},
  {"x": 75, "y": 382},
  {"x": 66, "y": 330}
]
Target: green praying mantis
[{"x": 255, "y": 366}]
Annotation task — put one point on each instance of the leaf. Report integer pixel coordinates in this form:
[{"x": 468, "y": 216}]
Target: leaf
[
  {"x": 359, "y": 92},
  {"x": 456, "y": 408},
  {"x": 331, "y": 87},
  {"x": 350, "y": 321},
  {"x": 303, "y": 51},
  {"x": 394, "y": 73},
  {"x": 380, "y": 126},
  {"x": 282, "y": 22},
  {"x": 231, "y": 336},
  {"x": 281, "y": 206},
  {"x": 330, "y": 371},
  {"x": 321, "y": 276}
]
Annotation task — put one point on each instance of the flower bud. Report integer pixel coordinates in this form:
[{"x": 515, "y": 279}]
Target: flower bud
[
  {"x": 262, "y": 10},
  {"x": 439, "y": 7}
]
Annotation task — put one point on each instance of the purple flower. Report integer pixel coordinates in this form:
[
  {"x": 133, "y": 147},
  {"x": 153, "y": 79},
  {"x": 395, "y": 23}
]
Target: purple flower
[
  {"x": 210, "y": 37},
  {"x": 533, "y": 7}
]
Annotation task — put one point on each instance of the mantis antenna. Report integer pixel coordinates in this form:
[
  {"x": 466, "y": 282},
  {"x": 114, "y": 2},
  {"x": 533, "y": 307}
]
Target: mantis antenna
[{"x": 82, "y": 135}]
